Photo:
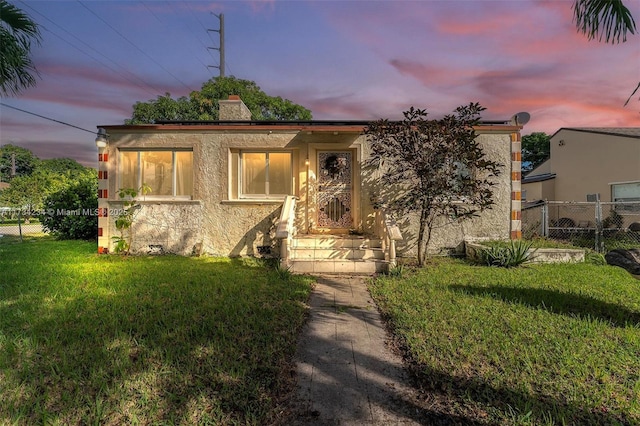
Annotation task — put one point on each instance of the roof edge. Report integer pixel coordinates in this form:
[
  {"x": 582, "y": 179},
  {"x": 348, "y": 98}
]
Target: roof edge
[
  {"x": 600, "y": 131},
  {"x": 309, "y": 125}
]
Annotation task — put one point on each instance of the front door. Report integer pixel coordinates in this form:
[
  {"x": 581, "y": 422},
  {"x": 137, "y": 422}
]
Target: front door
[{"x": 334, "y": 190}]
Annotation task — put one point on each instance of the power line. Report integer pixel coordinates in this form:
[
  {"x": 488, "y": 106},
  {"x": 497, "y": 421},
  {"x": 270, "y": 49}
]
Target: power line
[
  {"x": 106, "y": 65},
  {"x": 47, "y": 118},
  {"x": 183, "y": 36},
  {"x": 134, "y": 45}
]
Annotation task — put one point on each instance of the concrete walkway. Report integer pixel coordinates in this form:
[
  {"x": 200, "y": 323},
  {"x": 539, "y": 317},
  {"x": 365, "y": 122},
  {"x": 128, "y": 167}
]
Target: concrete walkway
[{"x": 346, "y": 373}]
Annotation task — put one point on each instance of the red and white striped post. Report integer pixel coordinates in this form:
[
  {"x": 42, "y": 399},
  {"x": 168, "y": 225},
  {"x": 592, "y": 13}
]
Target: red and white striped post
[{"x": 103, "y": 193}]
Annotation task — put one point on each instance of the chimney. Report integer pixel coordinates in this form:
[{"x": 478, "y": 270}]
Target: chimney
[{"x": 233, "y": 109}]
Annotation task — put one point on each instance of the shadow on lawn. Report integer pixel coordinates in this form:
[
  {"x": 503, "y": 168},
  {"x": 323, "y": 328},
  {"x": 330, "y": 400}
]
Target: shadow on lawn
[
  {"x": 346, "y": 370},
  {"x": 342, "y": 379},
  {"x": 557, "y": 302},
  {"x": 518, "y": 407},
  {"x": 178, "y": 351}
]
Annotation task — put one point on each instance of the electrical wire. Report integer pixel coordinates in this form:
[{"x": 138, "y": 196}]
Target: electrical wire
[
  {"x": 47, "y": 118},
  {"x": 183, "y": 36},
  {"x": 106, "y": 65},
  {"x": 134, "y": 45}
]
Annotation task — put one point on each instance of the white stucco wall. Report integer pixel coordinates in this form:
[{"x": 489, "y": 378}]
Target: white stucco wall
[
  {"x": 215, "y": 223},
  {"x": 210, "y": 223},
  {"x": 491, "y": 224}
]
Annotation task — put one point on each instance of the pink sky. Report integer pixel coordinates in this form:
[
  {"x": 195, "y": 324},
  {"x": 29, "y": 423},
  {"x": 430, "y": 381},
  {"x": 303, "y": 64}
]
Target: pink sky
[{"x": 343, "y": 60}]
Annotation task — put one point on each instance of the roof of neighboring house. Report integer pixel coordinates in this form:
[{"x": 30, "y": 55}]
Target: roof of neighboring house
[
  {"x": 538, "y": 178},
  {"x": 540, "y": 169},
  {"x": 629, "y": 132}
]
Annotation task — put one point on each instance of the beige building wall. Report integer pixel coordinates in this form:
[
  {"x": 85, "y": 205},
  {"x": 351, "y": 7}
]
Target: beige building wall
[
  {"x": 543, "y": 190},
  {"x": 586, "y": 163},
  {"x": 541, "y": 169}
]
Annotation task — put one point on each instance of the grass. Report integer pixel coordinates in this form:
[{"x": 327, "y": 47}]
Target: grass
[
  {"x": 546, "y": 344},
  {"x": 88, "y": 339},
  {"x": 14, "y": 222}
]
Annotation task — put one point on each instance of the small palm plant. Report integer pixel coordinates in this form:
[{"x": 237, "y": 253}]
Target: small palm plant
[
  {"x": 130, "y": 209},
  {"x": 515, "y": 254}
]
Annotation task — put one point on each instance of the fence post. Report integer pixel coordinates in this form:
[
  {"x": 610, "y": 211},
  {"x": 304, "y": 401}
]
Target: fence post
[
  {"x": 545, "y": 219},
  {"x": 20, "y": 223},
  {"x": 599, "y": 235}
]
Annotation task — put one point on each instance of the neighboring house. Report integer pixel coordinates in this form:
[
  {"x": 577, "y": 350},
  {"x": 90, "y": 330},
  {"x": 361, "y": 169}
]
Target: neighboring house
[
  {"x": 588, "y": 161},
  {"x": 219, "y": 187}
]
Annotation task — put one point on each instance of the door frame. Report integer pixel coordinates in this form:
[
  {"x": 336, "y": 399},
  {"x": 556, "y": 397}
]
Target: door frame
[{"x": 313, "y": 172}]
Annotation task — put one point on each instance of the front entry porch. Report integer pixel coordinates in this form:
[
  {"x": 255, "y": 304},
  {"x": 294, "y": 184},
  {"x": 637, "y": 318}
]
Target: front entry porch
[{"x": 336, "y": 253}]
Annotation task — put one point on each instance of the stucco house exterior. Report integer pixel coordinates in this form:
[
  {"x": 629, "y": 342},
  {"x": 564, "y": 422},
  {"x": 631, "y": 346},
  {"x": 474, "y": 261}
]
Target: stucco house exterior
[
  {"x": 588, "y": 161},
  {"x": 294, "y": 190}
]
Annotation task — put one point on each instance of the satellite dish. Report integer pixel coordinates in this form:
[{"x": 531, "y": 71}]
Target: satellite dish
[{"x": 521, "y": 118}]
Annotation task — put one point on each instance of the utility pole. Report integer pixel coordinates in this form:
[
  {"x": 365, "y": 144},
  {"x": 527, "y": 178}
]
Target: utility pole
[{"x": 220, "y": 47}]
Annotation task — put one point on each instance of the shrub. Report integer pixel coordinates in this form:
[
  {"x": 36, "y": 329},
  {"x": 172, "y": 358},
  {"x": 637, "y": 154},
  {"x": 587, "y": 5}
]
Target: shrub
[
  {"x": 124, "y": 222},
  {"x": 283, "y": 272},
  {"x": 515, "y": 254},
  {"x": 70, "y": 213},
  {"x": 614, "y": 220},
  {"x": 595, "y": 258},
  {"x": 396, "y": 271}
]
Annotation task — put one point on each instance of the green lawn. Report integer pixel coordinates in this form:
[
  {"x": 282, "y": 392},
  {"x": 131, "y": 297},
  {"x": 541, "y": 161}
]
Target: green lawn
[
  {"x": 545, "y": 344},
  {"x": 89, "y": 339}
]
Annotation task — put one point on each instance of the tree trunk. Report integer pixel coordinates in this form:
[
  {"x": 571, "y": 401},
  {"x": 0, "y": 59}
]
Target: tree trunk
[{"x": 422, "y": 243}]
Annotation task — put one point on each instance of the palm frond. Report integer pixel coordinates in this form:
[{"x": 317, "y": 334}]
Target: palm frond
[
  {"x": 18, "y": 23},
  {"x": 603, "y": 19},
  {"x": 633, "y": 93}
]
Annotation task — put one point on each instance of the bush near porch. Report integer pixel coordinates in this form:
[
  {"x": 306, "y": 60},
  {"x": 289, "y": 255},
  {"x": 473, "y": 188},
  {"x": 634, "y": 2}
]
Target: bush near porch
[
  {"x": 89, "y": 339},
  {"x": 544, "y": 344}
]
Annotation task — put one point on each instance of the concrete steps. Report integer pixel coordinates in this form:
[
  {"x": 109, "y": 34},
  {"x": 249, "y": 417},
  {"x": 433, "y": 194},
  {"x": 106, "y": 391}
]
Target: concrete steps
[{"x": 337, "y": 254}]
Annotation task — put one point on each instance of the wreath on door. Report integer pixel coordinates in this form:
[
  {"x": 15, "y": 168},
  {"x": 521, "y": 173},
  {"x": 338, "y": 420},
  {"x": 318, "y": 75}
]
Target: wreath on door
[{"x": 335, "y": 166}]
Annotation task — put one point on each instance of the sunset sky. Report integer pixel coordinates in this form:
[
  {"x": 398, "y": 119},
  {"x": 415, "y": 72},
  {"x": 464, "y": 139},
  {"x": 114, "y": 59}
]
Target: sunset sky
[{"x": 341, "y": 59}]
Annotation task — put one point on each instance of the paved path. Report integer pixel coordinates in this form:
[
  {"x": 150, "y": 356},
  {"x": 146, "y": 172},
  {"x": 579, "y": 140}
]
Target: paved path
[{"x": 346, "y": 373}]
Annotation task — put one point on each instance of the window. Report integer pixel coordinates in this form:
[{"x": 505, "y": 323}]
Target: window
[
  {"x": 168, "y": 173},
  {"x": 265, "y": 174},
  {"x": 626, "y": 192}
]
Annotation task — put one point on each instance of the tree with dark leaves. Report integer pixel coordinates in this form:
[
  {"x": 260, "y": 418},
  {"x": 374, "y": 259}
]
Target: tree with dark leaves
[{"x": 435, "y": 168}]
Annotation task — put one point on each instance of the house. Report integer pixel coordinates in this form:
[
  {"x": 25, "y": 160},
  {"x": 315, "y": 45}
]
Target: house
[
  {"x": 294, "y": 190},
  {"x": 600, "y": 161},
  {"x": 591, "y": 182}
]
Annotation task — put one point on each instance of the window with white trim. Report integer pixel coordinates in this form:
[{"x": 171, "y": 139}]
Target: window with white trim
[
  {"x": 629, "y": 191},
  {"x": 169, "y": 173},
  {"x": 626, "y": 192},
  {"x": 265, "y": 174}
]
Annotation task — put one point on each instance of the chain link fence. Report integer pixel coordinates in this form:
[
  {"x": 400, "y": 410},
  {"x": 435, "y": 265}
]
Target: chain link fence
[
  {"x": 601, "y": 226},
  {"x": 18, "y": 222}
]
